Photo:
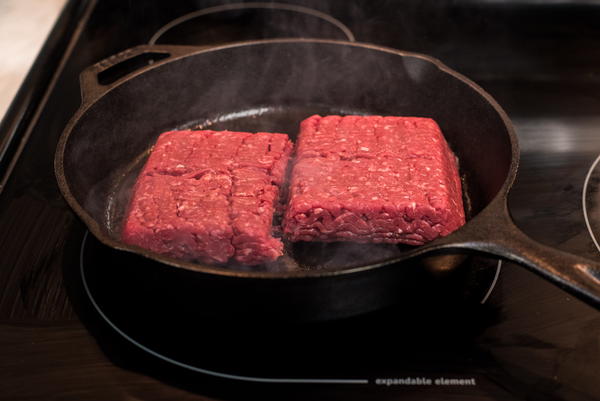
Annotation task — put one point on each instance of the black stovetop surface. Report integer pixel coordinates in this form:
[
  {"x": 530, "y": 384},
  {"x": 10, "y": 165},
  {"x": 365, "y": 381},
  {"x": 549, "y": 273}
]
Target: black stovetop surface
[{"x": 530, "y": 340}]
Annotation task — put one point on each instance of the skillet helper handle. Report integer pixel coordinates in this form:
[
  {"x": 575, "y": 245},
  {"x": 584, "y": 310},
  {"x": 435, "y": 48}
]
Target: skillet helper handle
[
  {"x": 94, "y": 84},
  {"x": 496, "y": 234}
]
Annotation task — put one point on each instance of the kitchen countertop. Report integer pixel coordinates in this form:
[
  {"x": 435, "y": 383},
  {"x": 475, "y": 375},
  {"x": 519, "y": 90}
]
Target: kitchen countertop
[{"x": 24, "y": 26}]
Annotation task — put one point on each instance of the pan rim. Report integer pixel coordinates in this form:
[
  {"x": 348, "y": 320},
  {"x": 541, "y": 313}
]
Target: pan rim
[{"x": 95, "y": 229}]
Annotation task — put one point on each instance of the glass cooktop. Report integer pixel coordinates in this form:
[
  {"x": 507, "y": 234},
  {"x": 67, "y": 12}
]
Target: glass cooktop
[{"x": 494, "y": 332}]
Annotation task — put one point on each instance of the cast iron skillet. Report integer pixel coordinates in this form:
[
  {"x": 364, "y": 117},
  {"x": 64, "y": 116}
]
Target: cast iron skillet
[{"x": 272, "y": 85}]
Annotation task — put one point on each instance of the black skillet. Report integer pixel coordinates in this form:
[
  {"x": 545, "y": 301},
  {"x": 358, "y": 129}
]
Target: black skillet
[{"x": 272, "y": 85}]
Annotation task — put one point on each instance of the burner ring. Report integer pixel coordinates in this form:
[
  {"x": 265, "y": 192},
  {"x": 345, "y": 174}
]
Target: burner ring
[
  {"x": 584, "y": 203},
  {"x": 258, "y": 5},
  {"x": 494, "y": 282},
  {"x": 115, "y": 314}
]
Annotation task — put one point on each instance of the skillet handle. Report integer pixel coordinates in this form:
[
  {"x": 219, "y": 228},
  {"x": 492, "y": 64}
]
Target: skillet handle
[
  {"x": 102, "y": 76},
  {"x": 495, "y": 233}
]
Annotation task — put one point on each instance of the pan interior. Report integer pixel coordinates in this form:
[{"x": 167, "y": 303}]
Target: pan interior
[
  {"x": 272, "y": 87},
  {"x": 301, "y": 255}
]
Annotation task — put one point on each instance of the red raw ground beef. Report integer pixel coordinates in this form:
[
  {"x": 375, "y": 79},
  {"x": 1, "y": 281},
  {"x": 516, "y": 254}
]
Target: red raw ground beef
[
  {"x": 373, "y": 179},
  {"x": 209, "y": 196}
]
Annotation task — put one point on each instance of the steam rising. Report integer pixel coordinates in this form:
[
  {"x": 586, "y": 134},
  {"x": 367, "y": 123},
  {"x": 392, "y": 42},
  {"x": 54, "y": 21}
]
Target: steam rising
[
  {"x": 263, "y": 96},
  {"x": 297, "y": 256}
]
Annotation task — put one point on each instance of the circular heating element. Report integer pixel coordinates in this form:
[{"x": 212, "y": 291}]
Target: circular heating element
[
  {"x": 250, "y": 21},
  {"x": 139, "y": 310},
  {"x": 591, "y": 201}
]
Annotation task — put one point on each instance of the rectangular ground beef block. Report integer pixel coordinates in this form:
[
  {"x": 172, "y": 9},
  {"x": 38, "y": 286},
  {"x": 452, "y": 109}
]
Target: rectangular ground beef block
[
  {"x": 209, "y": 196},
  {"x": 373, "y": 179}
]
